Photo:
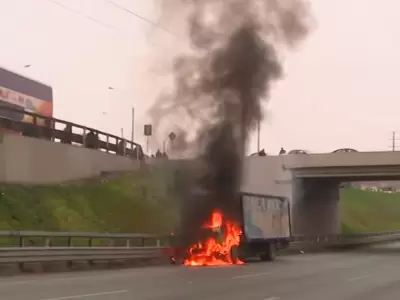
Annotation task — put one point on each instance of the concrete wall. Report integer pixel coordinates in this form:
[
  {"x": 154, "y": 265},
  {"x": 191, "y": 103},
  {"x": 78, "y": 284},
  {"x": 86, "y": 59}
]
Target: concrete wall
[
  {"x": 315, "y": 207},
  {"x": 314, "y": 204},
  {"x": 34, "y": 161},
  {"x": 267, "y": 175},
  {"x": 262, "y": 175}
]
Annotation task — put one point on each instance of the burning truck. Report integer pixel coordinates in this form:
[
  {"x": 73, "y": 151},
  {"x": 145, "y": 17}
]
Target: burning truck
[{"x": 262, "y": 229}]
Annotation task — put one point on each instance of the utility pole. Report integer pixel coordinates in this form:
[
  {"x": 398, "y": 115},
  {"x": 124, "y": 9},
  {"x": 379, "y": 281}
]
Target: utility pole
[
  {"x": 258, "y": 135},
  {"x": 133, "y": 125},
  {"x": 394, "y": 141},
  {"x": 394, "y": 138}
]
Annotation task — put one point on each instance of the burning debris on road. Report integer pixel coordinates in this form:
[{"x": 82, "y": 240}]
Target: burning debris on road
[{"x": 220, "y": 86}]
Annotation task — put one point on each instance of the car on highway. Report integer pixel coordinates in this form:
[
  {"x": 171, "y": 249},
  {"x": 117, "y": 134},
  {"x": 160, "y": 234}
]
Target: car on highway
[
  {"x": 298, "y": 151},
  {"x": 260, "y": 153},
  {"x": 344, "y": 150}
]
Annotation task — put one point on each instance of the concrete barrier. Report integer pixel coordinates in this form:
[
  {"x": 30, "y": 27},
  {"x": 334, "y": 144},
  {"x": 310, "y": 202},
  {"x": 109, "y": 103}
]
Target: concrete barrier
[{"x": 27, "y": 160}]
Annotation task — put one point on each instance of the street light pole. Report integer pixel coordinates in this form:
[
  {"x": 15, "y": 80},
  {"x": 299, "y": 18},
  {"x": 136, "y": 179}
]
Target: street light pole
[
  {"x": 258, "y": 135},
  {"x": 133, "y": 117},
  {"x": 133, "y": 125}
]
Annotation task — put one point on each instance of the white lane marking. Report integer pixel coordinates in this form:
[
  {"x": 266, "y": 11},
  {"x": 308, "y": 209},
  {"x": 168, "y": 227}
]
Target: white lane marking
[
  {"x": 358, "y": 277},
  {"x": 88, "y": 295},
  {"x": 272, "y": 298},
  {"x": 46, "y": 279},
  {"x": 251, "y": 275},
  {"x": 15, "y": 282}
]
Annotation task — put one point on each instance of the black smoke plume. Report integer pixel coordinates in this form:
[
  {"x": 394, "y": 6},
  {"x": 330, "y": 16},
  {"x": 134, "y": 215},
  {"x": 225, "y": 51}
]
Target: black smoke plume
[{"x": 220, "y": 86}]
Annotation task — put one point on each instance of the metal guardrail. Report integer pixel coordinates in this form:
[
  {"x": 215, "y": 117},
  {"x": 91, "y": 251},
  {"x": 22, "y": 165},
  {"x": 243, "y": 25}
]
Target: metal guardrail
[
  {"x": 345, "y": 239},
  {"x": 57, "y": 130},
  {"x": 79, "y": 239},
  {"x": 46, "y": 252},
  {"x": 55, "y": 254},
  {"x": 43, "y": 246}
]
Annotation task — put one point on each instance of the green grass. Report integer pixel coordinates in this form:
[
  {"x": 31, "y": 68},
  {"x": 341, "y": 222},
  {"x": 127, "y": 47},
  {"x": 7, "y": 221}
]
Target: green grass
[
  {"x": 146, "y": 202},
  {"x": 367, "y": 211},
  {"x": 142, "y": 202}
]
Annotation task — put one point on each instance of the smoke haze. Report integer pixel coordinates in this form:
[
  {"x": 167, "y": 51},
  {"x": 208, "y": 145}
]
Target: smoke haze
[{"x": 219, "y": 88}]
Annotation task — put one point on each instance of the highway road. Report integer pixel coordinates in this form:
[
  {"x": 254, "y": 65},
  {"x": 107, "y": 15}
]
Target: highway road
[{"x": 364, "y": 274}]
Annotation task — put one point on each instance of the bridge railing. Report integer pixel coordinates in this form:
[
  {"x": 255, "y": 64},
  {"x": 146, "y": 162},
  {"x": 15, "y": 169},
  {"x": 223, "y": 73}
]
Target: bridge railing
[{"x": 57, "y": 130}]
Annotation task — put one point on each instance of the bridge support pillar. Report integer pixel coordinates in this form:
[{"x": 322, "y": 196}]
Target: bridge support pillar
[{"x": 315, "y": 207}]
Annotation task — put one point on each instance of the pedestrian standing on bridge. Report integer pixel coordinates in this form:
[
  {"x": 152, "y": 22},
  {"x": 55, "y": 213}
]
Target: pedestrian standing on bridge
[
  {"x": 159, "y": 154},
  {"x": 121, "y": 149},
  {"x": 67, "y": 135},
  {"x": 92, "y": 140}
]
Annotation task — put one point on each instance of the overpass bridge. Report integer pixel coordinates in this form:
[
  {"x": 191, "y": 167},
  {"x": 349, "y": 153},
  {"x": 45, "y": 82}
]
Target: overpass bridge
[{"x": 312, "y": 183}]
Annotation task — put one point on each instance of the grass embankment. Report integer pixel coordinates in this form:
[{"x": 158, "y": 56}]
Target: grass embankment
[
  {"x": 142, "y": 202},
  {"x": 367, "y": 211},
  {"x": 146, "y": 202}
]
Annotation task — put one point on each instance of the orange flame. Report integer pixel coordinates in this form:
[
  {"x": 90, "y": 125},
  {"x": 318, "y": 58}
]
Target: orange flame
[{"x": 215, "y": 252}]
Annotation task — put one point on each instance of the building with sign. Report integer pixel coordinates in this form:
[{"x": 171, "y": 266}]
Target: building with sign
[{"x": 23, "y": 94}]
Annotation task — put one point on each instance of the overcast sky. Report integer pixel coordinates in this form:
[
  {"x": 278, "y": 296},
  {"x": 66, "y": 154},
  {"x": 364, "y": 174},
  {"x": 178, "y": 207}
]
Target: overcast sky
[{"x": 341, "y": 87}]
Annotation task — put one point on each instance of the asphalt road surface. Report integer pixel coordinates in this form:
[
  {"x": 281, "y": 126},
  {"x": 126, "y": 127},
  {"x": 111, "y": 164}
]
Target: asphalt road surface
[{"x": 364, "y": 274}]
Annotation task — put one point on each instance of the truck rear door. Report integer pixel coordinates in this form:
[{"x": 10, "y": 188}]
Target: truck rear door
[{"x": 265, "y": 217}]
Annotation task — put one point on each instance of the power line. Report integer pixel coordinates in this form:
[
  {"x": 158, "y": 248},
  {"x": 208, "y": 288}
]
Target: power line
[
  {"x": 140, "y": 17},
  {"x": 98, "y": 22},
  {"x": 109, "y": 26}
]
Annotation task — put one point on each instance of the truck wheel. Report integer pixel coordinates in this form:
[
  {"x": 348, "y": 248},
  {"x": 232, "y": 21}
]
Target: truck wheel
[
  {"x": 270, "y": 255},
  {"x": 235, "y": 255}
]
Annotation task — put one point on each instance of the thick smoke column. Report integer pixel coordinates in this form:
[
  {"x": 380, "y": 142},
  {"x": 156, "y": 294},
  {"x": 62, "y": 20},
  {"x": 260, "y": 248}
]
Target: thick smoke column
[{"x": 220, "y": 86}]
